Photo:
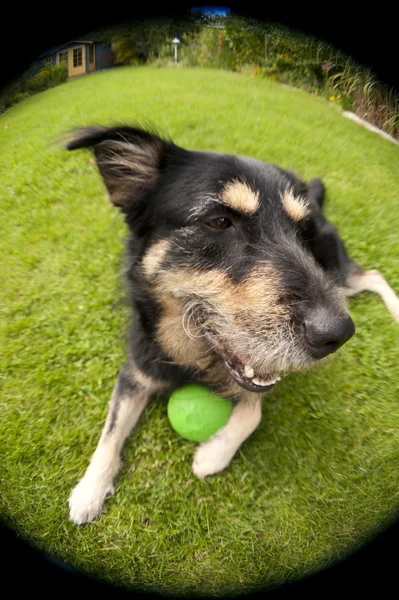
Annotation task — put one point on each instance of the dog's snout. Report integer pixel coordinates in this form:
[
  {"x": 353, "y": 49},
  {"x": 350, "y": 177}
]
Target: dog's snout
[{"x": 325, "y": 333}]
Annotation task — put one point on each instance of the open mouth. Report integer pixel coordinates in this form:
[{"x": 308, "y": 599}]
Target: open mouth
[{"x": 239, "y": 368}]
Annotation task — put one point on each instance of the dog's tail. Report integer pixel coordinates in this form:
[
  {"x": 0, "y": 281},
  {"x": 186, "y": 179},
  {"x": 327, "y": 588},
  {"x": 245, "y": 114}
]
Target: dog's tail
[{"x": 316, "y": 191}]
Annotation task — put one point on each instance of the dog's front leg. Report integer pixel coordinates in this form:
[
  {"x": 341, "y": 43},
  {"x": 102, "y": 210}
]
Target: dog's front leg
[
  {"x": 215, "y": 454},
  {"x": 131, "y": 394},
  {"x": 373, "y": 281}
]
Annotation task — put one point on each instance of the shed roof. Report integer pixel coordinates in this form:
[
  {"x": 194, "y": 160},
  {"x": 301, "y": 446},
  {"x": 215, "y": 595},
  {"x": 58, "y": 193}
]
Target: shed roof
[{"x": 55, "y": 49}]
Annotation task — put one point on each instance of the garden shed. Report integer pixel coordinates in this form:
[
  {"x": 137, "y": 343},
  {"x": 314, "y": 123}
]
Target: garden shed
[{"x": 81, "y": 56}]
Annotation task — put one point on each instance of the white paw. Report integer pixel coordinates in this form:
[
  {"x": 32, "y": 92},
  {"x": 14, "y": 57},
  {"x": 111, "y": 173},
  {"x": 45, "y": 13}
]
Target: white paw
[
  {"x": 212, "y": 457},
  {"x": 87, "y": 500}
]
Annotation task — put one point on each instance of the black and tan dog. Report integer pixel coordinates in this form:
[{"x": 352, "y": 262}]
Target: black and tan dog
[{"x": 236, "y": 279}]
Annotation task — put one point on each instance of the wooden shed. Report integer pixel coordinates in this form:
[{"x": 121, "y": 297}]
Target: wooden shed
[{"x": 81, "y": 56}]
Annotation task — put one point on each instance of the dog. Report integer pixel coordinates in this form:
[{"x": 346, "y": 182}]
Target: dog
[{"x": 236, "y": 280}]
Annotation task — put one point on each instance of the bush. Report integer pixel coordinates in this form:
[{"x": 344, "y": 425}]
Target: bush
[
  {"x": 31, "y": 83},
  {"x": 367, "y": 97},
  {"x": 238, "y": 44},
  {"x": 141, "y": 42},
  {"x": 207, "y": 48},
  {"x": 48, "y": 77}
]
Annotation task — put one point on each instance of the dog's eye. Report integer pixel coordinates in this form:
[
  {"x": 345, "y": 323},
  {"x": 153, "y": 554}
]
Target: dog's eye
[{"x": 219, "y": 223}]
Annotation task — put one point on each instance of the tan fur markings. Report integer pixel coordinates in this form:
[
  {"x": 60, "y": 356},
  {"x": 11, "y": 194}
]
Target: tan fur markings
[
  {"x": 146, "y": 382},
  {"x": 258, "y": 291},
  {"x": 172, "y": 336},
  {"x": 125, "y": 165},
  {"x": 240, "y": 306},
  {"x": 296, "y": 207},
  {"x": 215, "y": 454},
  {"x": 153, "y": 258},
  {"x": 241, "y": 197},
  {"x": 132, "y": 161}
]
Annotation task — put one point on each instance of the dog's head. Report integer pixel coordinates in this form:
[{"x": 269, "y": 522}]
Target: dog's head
[{"x": 221, "y": 251}]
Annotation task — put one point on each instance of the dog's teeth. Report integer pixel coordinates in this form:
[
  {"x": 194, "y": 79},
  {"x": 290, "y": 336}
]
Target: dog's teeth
[
  {"x": 262, "y": 382},
  {"x": 249, "y": 372}
]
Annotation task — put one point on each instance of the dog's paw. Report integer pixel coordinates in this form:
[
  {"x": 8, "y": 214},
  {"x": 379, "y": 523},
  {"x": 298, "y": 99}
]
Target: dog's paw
[
  {"x": 212, "y": 457},
  {"x": 87, "y": 500}
]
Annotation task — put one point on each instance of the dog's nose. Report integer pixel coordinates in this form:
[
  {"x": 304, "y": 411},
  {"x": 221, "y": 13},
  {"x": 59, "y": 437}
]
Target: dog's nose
[{"x": 326, "y": 333}]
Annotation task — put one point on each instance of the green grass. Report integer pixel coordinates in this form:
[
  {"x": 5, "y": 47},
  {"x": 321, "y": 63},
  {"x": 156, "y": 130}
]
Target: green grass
[{"x": 320, "y": 474}]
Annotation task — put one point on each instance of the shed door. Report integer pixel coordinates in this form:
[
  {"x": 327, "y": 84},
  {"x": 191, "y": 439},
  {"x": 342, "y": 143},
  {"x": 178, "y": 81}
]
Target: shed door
[{"x": 77, "y": 61}]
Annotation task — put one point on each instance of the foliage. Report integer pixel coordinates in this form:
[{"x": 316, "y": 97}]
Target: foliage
[
  {"x": 260, "y": 49},
  {"x": 206, "y": 48},
  {"x": 139, "y": 42},
  {"x": 48, "y": 77},
  {"x": 372, "y": 100},
  {"x": 32, "y": 82},
  {"x": 292, "y": 58}
]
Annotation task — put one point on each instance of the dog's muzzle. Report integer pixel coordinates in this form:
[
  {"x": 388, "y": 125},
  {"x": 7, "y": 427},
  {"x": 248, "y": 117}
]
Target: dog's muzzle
[{"x": 239, "y": 369}]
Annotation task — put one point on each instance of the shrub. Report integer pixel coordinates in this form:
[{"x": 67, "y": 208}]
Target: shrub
[
  {"x": 368, "y": 97},
  {"x": 32, "y": 82},
  {"x": 239, "y": 44},
  {"x": 140, "y": 42},
  {"x": 207, "y": 48},
  {"x": 48, "y": 77}
]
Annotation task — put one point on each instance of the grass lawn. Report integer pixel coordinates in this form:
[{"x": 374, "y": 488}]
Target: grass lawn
[{"x": 320, "y": 474}]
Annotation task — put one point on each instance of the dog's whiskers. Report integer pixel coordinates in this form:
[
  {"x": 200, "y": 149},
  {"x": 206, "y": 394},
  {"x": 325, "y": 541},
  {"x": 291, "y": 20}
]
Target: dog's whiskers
[
  {"x": 228, "y": 287},
  {"x": 189, "y": 317}
]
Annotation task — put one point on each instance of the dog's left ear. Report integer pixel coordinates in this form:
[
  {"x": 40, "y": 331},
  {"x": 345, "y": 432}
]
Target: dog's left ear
[{"x": 129, "y": 159}]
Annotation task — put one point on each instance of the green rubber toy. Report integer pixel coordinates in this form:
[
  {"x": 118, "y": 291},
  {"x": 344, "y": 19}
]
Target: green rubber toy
[{"x": 196, "y": 413}]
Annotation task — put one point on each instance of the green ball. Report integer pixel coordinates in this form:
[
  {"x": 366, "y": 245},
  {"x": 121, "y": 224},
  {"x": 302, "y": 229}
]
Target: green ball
[{"x": 196, "y": 413}]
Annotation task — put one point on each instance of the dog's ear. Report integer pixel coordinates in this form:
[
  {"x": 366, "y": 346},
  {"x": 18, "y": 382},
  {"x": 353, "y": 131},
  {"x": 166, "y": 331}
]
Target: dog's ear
[{"x": 129, "y": 159}]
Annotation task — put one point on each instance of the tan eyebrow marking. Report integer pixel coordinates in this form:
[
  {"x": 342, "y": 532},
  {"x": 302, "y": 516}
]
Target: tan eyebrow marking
[
  {"x": 296, "y": 207},
  {"x": 240, "y": 197}
]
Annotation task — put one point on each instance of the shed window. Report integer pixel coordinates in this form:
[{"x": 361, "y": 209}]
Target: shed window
[
  {"x": 77, "y": 57},
  {"x": 63, "y": 57},
  {"x": 91, "y": 53}
]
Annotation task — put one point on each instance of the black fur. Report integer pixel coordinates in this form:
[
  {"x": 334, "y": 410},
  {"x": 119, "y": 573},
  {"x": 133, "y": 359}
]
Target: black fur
[
  {"x": 235, "y": 280},
  {"x": 169, "y": 193}
]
